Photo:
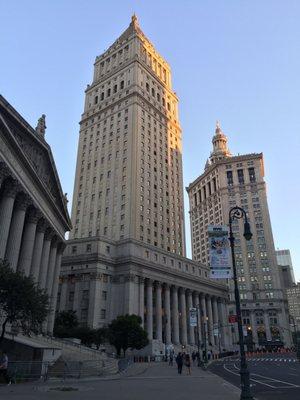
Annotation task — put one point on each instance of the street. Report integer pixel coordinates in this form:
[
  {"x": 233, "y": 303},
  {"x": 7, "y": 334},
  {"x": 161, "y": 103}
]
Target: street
[
  {"x": 154, "y": 381},
  {"x": 273, "y": 376}
]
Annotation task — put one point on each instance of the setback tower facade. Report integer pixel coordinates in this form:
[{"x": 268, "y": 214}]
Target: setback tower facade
[
  {"x": 228, "y": 181},
  {"x": 129, "y": 168},
  {"x": 126, "y": 249}
]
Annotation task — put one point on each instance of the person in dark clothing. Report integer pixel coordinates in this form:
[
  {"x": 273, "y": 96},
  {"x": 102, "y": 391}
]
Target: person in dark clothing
[
  {"x": 187, "y": 361},
  {"x": 198, "y": 358},
  {"x": 179, "y": 362},
  {"x": 193, "y": 357},
  {"x": 4, "y": 366}
]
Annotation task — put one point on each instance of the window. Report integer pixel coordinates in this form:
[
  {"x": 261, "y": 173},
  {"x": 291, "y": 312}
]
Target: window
[
  {"x": 252, "y": 175},
  {"x": 229, "y": 178},
  {"x": 241, "y": 176},
  {"x": 104, "y": 295},
  {"x": 88, "y": 248},
  {"x": 103, "y": 313}
]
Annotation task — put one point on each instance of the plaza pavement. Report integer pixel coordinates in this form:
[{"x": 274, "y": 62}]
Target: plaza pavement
[{"x": 154, "y": 381}]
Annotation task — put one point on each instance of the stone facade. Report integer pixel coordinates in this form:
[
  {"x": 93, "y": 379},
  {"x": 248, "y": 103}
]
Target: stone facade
[
  {"x": 239, "y": 180},
  {"x": 293, "y": 296},
  {"x": 285, "y": 266},
  {"x": 126, "y": 250},
  {"x": 33, "y": 213},
  {"x": 128, "y": 181},
  {"x": 102, "y": 279}
]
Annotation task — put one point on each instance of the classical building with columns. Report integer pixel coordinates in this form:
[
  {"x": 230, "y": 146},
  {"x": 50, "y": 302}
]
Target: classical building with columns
[
  {"x": 229, "y": 181},
  {"x": 33, "y": 212},
  {"x": 102, "y": 279},
  {"x": 127, "y": 246}
]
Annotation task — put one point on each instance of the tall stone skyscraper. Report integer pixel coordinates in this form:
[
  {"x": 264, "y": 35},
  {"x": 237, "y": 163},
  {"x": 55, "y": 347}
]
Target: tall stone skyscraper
[
  {"x": 228, "y": 181},
  {"x": 129, "y": 168},
  {"x": 126, "y": 250}
]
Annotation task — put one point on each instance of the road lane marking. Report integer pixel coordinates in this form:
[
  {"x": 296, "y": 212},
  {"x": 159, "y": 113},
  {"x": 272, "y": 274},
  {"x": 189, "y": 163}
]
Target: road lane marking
[
  {"x": 264, "y": 379},
  {"x": 276, "y": 380}
]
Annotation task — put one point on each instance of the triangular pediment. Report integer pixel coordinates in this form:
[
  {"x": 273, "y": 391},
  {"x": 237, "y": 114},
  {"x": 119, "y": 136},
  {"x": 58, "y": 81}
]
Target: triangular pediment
[{"x": 36, "y": 151}]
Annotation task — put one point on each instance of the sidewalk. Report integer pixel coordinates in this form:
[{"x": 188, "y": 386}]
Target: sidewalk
[{"x": 153, "y": 381}]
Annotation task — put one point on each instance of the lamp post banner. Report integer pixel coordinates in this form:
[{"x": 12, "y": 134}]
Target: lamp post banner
[
  {"x": 220, "y": 266},
  {"x": 193, "y": 316}
]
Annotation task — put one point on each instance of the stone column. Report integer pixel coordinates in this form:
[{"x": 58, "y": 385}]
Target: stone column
[
  {"x": 175, "y": 316},
  {"x": 16, "y": 230},
  {"x": 210, "y": 320},
  {"x": 94, "y": 302},
  {"x": 63, "y": 294},
  {"x": 198, "y": 331},
  {"x": 142, "y": 299},
  {"x": 76, "y": 300},
  {"x": 222, "y": 324},
  {"x": 204, "y": 318},
  {"x": 25, "y": 259},
  {"x": 215, "y": 320},
  {"x": 37, "y": 249},
  {"x": 130, "y": 305},
  {"x": 149, "y": 309},
  {"x": 6, "y": 208},
  {"x": 167, "y": 314},
  {"x": 254, "y": 329},
  {"x": 190, "y": 328},
  {"x": 45, "y": 258},
  {"x": 267, "y": 326},
  {"x": 158, "y": 312},
  {"x": 53, "y": 298},
  {"x": 51, "y": 266},
  {"x": 183, "y": 317}
]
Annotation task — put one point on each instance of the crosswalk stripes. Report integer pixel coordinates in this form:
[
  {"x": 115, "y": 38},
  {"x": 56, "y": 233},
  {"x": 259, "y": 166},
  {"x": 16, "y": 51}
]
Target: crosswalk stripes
[{"x": 272, "y": 359}]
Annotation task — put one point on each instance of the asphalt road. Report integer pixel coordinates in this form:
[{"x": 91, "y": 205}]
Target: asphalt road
[{"x": 271, "y": 376}]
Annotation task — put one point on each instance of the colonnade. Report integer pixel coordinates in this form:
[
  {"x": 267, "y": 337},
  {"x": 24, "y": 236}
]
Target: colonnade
[
  {"x": 27, "y": 241},
  {"x": 165, "y": 315}
]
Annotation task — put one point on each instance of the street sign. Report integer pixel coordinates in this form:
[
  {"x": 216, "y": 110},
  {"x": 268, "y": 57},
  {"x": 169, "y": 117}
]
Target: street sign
[
  {"x": 232, "y": 319},
  {"x": 219, "y": 250},
  {"x": 193, "y": 316}
]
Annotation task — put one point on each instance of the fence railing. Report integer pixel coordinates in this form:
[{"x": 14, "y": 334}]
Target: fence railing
[{"x": 20, "y": 371}]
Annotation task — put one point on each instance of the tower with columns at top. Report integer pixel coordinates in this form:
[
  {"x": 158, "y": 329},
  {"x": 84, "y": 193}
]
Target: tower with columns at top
[{"x": 229, "y": 181}]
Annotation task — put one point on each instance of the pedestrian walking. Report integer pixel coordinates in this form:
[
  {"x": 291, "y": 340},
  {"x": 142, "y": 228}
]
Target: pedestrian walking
[
  {"x": 171, "y": 359},
  {"x": 198, "y": 358},
  {"x": 4, "y": 366},
  {"x": 187, "y": 362},
  {"x": 179, "y": 362}
]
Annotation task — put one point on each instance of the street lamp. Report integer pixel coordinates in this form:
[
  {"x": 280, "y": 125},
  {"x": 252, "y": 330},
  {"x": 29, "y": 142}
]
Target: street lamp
[{"x": 238, "y": 213}]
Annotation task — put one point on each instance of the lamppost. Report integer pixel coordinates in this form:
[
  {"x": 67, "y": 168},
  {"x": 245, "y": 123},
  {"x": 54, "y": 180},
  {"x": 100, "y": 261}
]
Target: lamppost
[{"x": 239, "y": 213}]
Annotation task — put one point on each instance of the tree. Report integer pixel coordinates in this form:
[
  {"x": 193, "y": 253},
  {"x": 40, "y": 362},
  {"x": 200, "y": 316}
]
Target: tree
[
  {"x": 22, "y": 302},
  {"x": 100, "y": 335},
  {"x": 125, "y": 332},
  {"x": 65, "y": 323}
]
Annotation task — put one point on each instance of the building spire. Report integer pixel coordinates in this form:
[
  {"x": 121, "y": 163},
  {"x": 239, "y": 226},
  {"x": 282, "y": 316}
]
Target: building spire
[
  {"x": 134, "y": 20},
  {"x": 220, "y": 148},
  {"x": 41, "y": 126}
]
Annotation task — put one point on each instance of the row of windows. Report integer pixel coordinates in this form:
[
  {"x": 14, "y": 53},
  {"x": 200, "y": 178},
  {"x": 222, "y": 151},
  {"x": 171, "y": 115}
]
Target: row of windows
[{"x": 240, "y": 176}]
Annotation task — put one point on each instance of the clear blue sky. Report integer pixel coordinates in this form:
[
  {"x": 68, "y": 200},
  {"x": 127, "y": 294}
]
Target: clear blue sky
[{"x": 233, "y": 60}]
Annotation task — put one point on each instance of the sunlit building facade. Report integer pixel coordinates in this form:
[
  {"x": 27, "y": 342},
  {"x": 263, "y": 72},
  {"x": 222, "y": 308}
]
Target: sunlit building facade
[{"x": 229, "y": 181}]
